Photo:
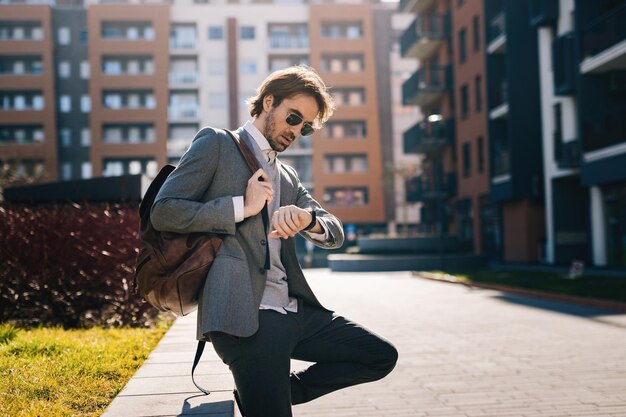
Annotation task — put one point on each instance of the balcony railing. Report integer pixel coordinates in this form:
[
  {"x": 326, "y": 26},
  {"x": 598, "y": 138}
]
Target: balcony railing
[
  {"x": 544, "y": 12},
  {"x": 182, "y": 78},
  {"x": 602, "y": 127},
  {"x": 190, "y": 112},
  {"x": 426, "y": 85},
  {"x": 422, "y": 189},
  {"x": 566, "y": 154},
  {"x": 497, "y": 27},
  {"x": 564, "y": 64},
  {"x": 288, "y": 42},
  {"x": 498, "y": 95},
  {"x": 428, "y": 137},
  {"x": 424, "y": 35},
  {"x": 179, "y": 43},
  {"x": 604, "y": 32},
  {"x": 501, "y": 159}
]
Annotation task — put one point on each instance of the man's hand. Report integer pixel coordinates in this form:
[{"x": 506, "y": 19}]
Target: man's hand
[
  {"x": 289, "y": 220},
  {"x": 258, "y": 191}
]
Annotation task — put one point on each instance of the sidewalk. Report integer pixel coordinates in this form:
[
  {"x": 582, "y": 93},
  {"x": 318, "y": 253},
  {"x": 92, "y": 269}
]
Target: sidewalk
[
  {"x": 463, "y": 353},
  {"x": 163, "y": 387}
]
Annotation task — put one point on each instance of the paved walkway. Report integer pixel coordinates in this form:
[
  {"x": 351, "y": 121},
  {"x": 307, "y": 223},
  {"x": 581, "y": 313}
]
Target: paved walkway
[{"x": 463, "y": 353}]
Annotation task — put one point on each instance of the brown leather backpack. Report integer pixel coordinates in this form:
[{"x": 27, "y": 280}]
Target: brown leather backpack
[{"x": 171, "y": 267}]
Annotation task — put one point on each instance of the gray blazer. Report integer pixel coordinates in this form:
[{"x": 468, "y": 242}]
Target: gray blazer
[{"x": 197, "y": 197}]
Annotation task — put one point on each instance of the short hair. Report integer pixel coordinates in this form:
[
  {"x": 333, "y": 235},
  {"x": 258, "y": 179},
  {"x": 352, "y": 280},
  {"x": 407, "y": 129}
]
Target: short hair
[{"x": 290, "y": 82}]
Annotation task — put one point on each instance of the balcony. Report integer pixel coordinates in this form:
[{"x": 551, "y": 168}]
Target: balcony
[
  {"x": 182, "y": 44},
  {"x": 603, "y": 42},
  {"x": 496, "y": 34},
  {"x": 426, "y": 86},
  {"x": 428, "y": 137},
  {"x": 288, "y": 42},
  {"x": 564, "y": 64},
  {"x": 415, "y": 6},
  {"x": 419, "y": 189},
  {"x": 499, "y": 101},
  {"x": 567, "y": 155},
  {"x": 501, "y": 160},
  {"x": 544, "y": 13},
  {"x": 424, "y": 35},
  {"x": 183, "y": 113},
  {"x": 183, "y": 79}
]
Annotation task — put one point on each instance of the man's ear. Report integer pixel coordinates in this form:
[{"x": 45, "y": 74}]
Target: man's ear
[{"x": 268, "y": 100}]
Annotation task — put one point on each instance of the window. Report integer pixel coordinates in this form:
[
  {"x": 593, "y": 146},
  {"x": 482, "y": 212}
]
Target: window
[
  {"x": 65, "y": 136},
  {"x": 85, "y": 104},
  {"x": 345, "y": 163},
  {"x": 247, "y": 66},
  {"x": 38, "y": 103},
  {"x": 464, "y": 101},
  {"x": 478, "y": 91},
  {"x": 467, "y": 160},
  {"x": 64, "y": 36},
  {"x": 462, "y": 46},
  {"x": 84, "y": 36},
  {"x": 86, "y": 170},
  {"x": 134, "y": 167},
  {"x": 247, "y": 32},
  {"x": 349, "y": 196},
  {"x": 85, "y": 136},
  {"x": 481, "y": 154},
  {"x": 65, "y": 104},
  {"x": 84, "y": 70},
  {"x": 66, "y": 171},
  {"x": 216, "y": 33},
  {"x": 65, "y": 69},
  {"x": 476, "y": 25}
]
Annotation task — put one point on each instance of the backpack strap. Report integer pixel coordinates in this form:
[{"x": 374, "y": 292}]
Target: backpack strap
[
  {"x": 196, "y": 360},
  {"x": 253, "y": 164}
]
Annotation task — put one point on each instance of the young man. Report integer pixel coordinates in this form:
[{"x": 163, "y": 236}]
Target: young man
[{"x": 258, "y": 318}]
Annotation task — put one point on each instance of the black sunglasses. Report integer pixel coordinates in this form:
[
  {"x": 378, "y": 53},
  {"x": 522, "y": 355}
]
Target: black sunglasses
[{"x": 294, "y": 120}]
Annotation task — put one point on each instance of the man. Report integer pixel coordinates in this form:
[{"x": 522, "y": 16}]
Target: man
[{"x": 258, "y": 318}]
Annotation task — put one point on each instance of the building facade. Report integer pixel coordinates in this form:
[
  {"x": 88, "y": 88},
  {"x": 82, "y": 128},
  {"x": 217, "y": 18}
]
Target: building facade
[
  {"x": 582, "y": 54},
  {"x": 427, "y": 39}
]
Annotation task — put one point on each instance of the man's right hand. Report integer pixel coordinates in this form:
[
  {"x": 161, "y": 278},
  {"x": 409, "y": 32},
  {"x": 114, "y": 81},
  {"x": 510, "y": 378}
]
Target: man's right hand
[{"x": 258, "y": 191}]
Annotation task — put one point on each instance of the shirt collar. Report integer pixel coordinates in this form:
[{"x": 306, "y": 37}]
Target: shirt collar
[{"x": 257, "y": 135}]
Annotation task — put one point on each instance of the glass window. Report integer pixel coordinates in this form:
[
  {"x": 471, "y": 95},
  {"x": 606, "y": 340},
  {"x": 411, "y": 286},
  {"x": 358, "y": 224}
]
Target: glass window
[
  {"x": 481, "y": 154},
  {"x": 84, "y": 70},
  {"x": 216, "y": 33},
  {"x": 478, "y": 91},
  {"x": 467, "y": 160},
  {"x": 65, "y": 136},
  {"x": 84, "y": 36},
  {"x": 134, "y": 167},
  {"x": 85, "y": 104},
  {"x": 247, "y": 32},
  {"x": 66, "y": 171},
  {"x": 64, "y": 36},
  {"x": 113, "y": 169},
  {"x": 462, "y": 46},
  {"x": 464, "y": 101},
  {"x": 38, "y": 103},
  {"x": 476, "y": 27},
  {"x": 65, "y": 104},
  {"x": 85, "y": 136},
  {"x": 65, "y": 69},
  {"x": 86, "y": 170}
]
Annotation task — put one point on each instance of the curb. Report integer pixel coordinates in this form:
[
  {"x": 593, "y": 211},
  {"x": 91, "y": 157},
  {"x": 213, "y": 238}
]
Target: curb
[{"x": 572, "y": 299}]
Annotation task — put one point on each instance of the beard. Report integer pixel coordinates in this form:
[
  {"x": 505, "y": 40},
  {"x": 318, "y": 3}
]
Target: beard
[{"x": 272, "y": 135}]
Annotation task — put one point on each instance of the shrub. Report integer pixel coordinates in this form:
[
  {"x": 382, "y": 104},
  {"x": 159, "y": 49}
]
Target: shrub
[{"x": 70, "y": 265}]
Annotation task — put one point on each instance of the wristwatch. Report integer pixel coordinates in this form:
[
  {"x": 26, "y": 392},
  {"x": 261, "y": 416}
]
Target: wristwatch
[{"x": 313, "y": 221}]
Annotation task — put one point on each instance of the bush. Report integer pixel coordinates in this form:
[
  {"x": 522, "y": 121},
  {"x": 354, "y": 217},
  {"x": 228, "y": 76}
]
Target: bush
[{"x": 70, "y": 265}]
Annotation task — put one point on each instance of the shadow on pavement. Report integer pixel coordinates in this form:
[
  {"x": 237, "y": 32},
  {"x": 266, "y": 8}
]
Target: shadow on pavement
[
  {"x": 208, "y": 408},
  {"x": 557, "y": 306}
]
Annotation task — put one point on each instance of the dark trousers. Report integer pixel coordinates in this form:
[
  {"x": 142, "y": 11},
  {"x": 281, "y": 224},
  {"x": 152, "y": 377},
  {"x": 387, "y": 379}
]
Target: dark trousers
[{"x": 344, "y": 353}]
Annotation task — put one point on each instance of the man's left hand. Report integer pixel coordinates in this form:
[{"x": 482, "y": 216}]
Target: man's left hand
[{"x": 287, "y": 221}]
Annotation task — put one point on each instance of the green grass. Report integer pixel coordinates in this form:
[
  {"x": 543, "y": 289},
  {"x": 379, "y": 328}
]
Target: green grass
[
  {"x": 54, "y": 372},
  {"x": 594, "y": 286}
]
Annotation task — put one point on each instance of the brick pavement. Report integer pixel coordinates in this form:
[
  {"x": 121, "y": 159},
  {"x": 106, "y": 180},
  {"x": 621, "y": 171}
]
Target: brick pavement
[
  {"x": 476, "y": 353},
  {"x": 463, "y": 353}
]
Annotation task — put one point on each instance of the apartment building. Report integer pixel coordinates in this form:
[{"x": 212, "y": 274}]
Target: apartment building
[
  {"x": 428, "y": 39},
  {"x": 474, "y": 209},
  {"x": 28, "y": 132},
  {"x": 514, "y": 126},
  {"x": 129, "y": 84},
  {"x": 582, "y": 50}
]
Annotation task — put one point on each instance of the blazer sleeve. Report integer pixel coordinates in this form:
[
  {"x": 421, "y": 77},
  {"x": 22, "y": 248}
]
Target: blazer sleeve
[
  {"x": 330, "y": 222},
  {"x": 178, "y": 206}
]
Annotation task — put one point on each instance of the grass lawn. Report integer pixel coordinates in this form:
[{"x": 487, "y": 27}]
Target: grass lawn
[
  {"x": 595, "y": 286},
  {"x": 54, "y": 372}
]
